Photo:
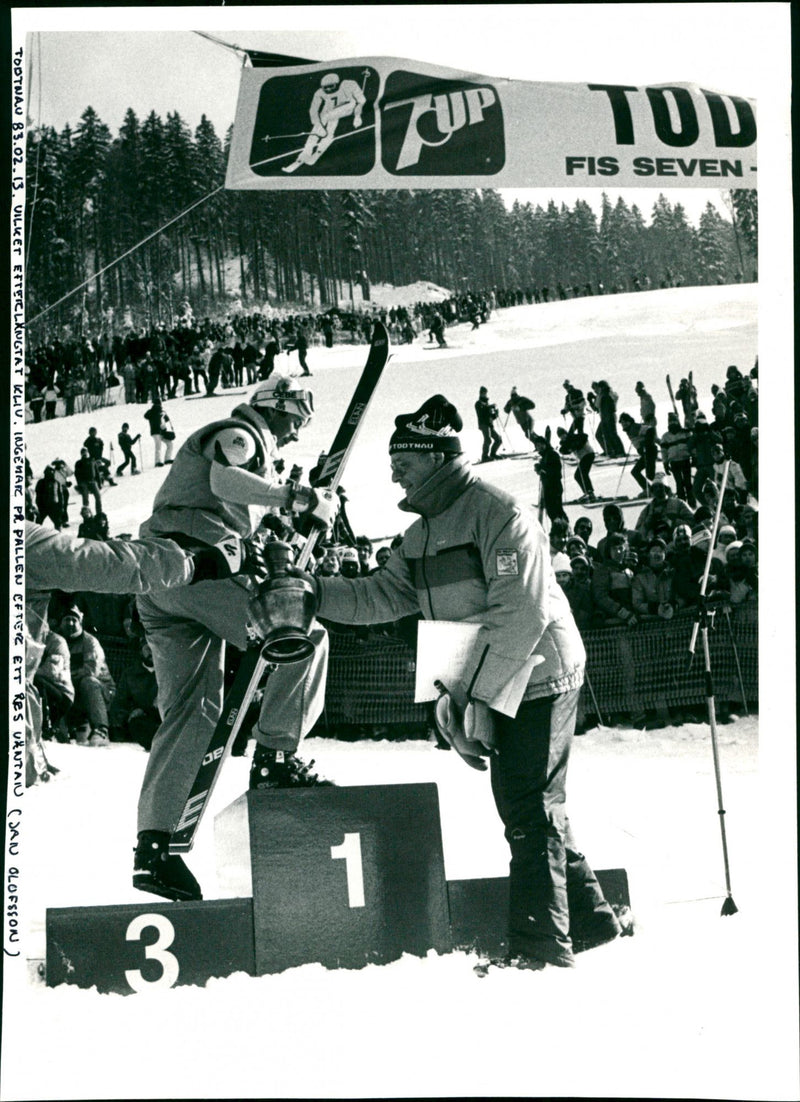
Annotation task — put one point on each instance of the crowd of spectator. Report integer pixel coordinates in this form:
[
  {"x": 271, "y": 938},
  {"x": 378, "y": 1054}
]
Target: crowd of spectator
[
  {"x": 648, "y": 573},
  {"x": 200, "y": 355}
]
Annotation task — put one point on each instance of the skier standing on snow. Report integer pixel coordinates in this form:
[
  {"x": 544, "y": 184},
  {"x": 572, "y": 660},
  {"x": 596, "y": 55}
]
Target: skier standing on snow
[
  {"x": 577, "y": 444},
  {"x": 223, "y": 482},
  {"x": 487, "y": 414},
  {"x": 477, "y": 555},
  {"x": 521, "y": 407},
  {"x": 549, "y": 468}
]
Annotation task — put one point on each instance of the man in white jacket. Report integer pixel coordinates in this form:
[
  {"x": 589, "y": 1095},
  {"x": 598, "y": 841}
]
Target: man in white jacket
[{"x": 477, "y": 555}]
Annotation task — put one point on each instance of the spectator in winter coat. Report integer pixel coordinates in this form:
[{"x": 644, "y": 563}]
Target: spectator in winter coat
[
  {"x": 521, "y": 407},
  {"x": 126, "y": 442},
  {"x": 583, "y": 527},
  {"x": 548, "y": 466},
  {"x": 487, "y": 413},
  {"x": 491, "y": 562},
  {"x": 579, "y": 593},
  {"x": 736, "y": 478},
  {"x": 577, "y": 443},
  {"x": 687, "y": 396},
  {"x": 719, "y": 407},
  {"x": 614, "y": 521},
  {"x": 562, "y": 568},
  {"x": 747, "y": 523},
  {"x": 134, "y": 711},
  {"x": 687, "y": 564},
  {"x": 574, "y": 405},
  {"x": 364, "y": 549},
  {"x": 53, "y": 680},
  {"x": 36, "y": 403},
  {"x": 664, "y": 507},
  {"x": 652, "y": 591},
  {"x": 701, "y": 447},
  {"x": 726, "y": 535},
  {"x": 382, "y": 556},
  {"x": 647, "y": 407},
  {"x": 51, "y": 396},
  {"x": 559, "y": 533},
  {"x": 677, "y": 458},
  {"x": 162, "y": 433},
  {"x": 87, "y": 719},
  {"x": 612, "y": 584},
  {"x": 643, "y": 439},
  {"x": 49, "y": 502},
  {"x": 607, "y": 435},
  {"x": 575, "y": 546},
  {"x": 95, "y": 445},
  {"x": 87, "y": 480}
]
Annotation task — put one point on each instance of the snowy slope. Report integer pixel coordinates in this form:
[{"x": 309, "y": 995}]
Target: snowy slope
[{"x": 695, "y": 1005}]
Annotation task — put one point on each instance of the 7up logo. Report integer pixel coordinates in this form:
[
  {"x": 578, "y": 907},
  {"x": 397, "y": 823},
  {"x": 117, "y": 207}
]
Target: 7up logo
[{"x": 440, "y": 127}]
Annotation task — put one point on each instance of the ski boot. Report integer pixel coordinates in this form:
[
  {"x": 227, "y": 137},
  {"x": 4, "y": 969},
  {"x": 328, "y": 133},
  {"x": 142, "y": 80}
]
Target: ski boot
[
  {"x": 156, "y": 871},
  {"x": 281, "y": 769}
]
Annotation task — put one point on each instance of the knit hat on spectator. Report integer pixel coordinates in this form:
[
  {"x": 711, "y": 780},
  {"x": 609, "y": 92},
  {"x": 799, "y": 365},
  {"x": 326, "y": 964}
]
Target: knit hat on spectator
[
  {"x": 577, "y": 543},
  {"x": 72, "y": 609},
  {"x": 561, "y": 562},
  {"x": 432, "y": 428},
  {"x": 579, "y": 558},
  {"x": 701, "y": 537},
  {"x": 349, "y": 554},
  {"x": 732, "y": 550},
  {"x": 728, "y": 531}
]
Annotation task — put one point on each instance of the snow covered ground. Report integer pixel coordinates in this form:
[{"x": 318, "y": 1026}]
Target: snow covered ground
[{"x": 695, "y": 1005}]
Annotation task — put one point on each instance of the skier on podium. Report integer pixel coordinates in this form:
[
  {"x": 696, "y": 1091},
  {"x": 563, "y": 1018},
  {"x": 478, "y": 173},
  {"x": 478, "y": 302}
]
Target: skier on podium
[{"x": 223, "y": 482}]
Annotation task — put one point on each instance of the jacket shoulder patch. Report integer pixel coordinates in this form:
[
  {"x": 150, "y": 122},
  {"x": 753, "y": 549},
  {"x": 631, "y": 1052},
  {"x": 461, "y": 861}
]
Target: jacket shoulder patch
[{"x": 506, "y": 562}]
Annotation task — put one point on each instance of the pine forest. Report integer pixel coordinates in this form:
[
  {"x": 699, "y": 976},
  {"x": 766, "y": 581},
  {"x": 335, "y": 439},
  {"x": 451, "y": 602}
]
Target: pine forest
[{"x": 92, "y": 198}]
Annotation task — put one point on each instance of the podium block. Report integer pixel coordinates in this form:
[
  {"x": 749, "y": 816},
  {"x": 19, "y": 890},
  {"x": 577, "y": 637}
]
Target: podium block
[
  {"x": 143, "y": 947},
  {"x": 346, "y": 876},
  {"x": 479, "y": 909}
]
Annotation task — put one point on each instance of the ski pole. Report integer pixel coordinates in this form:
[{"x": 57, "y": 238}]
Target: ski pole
[
  {"x": 598, "y": 713},
  {"x": 622, "y": 472},
  {"x": 727, "y": 613},
  {"x": 701, "y": 624}
]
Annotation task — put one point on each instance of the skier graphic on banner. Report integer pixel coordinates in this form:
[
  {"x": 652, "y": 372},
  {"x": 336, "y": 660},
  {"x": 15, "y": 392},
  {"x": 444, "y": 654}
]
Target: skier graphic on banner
[{"x": 335, "y": 99}]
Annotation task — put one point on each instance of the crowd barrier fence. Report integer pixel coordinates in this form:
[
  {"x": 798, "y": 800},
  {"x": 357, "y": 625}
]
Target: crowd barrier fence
[{"x": 629, "y": 670}]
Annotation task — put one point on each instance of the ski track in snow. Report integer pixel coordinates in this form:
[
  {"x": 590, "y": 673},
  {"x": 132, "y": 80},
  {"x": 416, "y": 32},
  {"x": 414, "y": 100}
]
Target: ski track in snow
[{"x": 692, "y": 1006}]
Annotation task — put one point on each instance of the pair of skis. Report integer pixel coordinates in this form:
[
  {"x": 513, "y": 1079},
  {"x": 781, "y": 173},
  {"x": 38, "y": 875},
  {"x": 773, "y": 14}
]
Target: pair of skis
[{"x": 254, "y": 665}]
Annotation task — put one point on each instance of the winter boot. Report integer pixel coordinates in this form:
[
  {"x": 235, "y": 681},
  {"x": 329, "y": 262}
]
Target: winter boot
[
  {"x": 520, "y": 961},
  {"x": 156, "y": 871},
  {"x": 602, "y": 928},
  {"x": 281, "y": 769},
  {"x": 81, "y": 734},
  {"x": 99, "y": 737}
]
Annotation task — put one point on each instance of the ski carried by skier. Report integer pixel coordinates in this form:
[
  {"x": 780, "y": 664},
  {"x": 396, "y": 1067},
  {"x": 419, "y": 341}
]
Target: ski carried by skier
[
  {"x": 254, "y": 664},
  {"x": 672, "y": 396}
]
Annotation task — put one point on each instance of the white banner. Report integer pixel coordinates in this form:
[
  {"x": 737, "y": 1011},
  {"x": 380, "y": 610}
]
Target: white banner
[{"x": 391, "y": 123}]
